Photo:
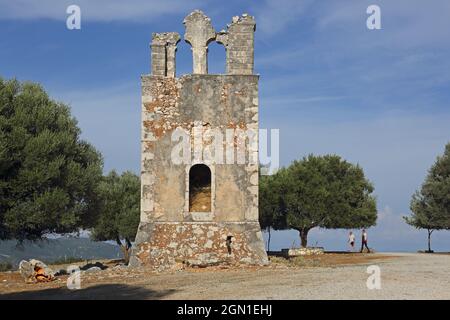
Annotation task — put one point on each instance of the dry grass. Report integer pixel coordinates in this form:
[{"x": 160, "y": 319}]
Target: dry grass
[{"x": 191, "y": 278}]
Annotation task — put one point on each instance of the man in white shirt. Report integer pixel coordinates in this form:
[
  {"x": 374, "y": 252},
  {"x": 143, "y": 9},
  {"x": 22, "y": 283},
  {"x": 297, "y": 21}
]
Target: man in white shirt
[{"x": 364, "y": 241}]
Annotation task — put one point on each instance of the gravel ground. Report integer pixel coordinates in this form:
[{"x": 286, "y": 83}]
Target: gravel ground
[
  {"x": 407, "y": 276},
  {"x": 403, "y": 276}
]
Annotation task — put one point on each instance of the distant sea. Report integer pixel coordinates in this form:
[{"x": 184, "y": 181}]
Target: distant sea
[{"x": 57, "y": 248}]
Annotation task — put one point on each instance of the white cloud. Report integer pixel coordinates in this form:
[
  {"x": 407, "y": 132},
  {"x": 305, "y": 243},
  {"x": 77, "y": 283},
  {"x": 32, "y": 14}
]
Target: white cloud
[
  {"x": 279, "y": 58},
  {"x": 99, "y": 10},
  {"x": 274, "y": 16},
  {"x": 102, "y": 99},
  {"x": 292, "y": 101},
  {"x": 405, "y": 23},
  {"x": 392, "y": 226},
  {"x": 109, "y": 118}
]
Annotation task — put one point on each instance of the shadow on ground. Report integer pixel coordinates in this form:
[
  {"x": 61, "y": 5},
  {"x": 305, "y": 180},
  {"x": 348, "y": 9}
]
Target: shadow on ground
[{"x": 98, "y": 292}]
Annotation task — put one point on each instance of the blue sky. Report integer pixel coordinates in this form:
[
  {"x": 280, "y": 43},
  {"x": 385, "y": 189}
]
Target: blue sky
[{"x": 380, "y": 98}]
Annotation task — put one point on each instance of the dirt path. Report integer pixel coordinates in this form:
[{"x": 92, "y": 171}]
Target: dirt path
[{"x": 403, "y": 276}]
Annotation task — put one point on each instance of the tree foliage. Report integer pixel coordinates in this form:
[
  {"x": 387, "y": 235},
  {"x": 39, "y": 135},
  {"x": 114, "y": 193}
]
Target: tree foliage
[
  {"x": 430, "y": 205},
  {"x": 322, "y": 191},
  {"x": 48, "y": 175},
  {"x": 270, "y": 215},
  {"x": 119, "y": 216}
]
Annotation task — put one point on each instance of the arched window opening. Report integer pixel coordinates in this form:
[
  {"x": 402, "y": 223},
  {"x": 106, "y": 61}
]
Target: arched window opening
[
  {"x": 200, "y": 188},
  {"x": 184, "y": 59},
  {"x": 216, "y": 58}
]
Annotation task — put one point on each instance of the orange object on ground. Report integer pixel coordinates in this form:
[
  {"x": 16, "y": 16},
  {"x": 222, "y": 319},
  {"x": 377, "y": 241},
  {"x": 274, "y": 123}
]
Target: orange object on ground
[{"x": 41, "y": 276}]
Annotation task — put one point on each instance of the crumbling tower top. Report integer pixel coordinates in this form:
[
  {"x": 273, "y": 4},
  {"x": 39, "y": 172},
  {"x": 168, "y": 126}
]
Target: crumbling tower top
[
  {"x": 164, "y": 46},
  {"x": 238, "y": 40}
]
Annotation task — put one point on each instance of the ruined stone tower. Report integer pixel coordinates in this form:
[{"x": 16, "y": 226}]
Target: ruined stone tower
[{"x": 195, "y": 210}]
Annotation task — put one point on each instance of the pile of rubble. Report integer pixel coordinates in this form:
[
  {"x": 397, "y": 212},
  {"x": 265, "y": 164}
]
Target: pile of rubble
[{"x": 34, "y": 271}]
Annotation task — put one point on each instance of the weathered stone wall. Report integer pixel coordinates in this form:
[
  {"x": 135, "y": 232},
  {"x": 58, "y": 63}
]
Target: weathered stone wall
[
  {"x": 218, "y": 101},
  {"x": 199, "y": 244}
]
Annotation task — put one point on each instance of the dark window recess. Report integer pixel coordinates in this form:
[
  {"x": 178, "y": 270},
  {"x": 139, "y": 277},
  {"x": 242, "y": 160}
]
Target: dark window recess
[
  {"x": 229, "y": 244},
  {"x": 200, "y": 188}
]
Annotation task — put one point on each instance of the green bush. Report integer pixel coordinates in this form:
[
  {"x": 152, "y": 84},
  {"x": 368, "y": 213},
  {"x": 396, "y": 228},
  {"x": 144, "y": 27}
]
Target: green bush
[{"x": 5, "y": 266}]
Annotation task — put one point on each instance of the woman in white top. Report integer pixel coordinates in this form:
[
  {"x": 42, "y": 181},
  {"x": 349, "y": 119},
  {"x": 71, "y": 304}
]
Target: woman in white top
[{"x": 351, "y": 241}]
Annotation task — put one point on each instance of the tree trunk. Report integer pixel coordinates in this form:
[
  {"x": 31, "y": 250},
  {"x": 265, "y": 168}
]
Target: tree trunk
[
  {"x": 125, "y": 248},
  {"x": 304, "y": 237},
  {"x": 126, "y": 253},
  {"x": 429, "y": 239},
  {"x": 128, "y": 243},
  {"x": 268, "y": 241}
]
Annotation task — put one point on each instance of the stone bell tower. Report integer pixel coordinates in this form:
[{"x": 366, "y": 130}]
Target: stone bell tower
[{"x": 196, "y": 209}]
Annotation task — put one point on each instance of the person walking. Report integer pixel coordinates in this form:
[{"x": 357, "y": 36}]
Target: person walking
[
  {"x": 364, "y": 239},
  {"x": 351, "y": 241}
]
